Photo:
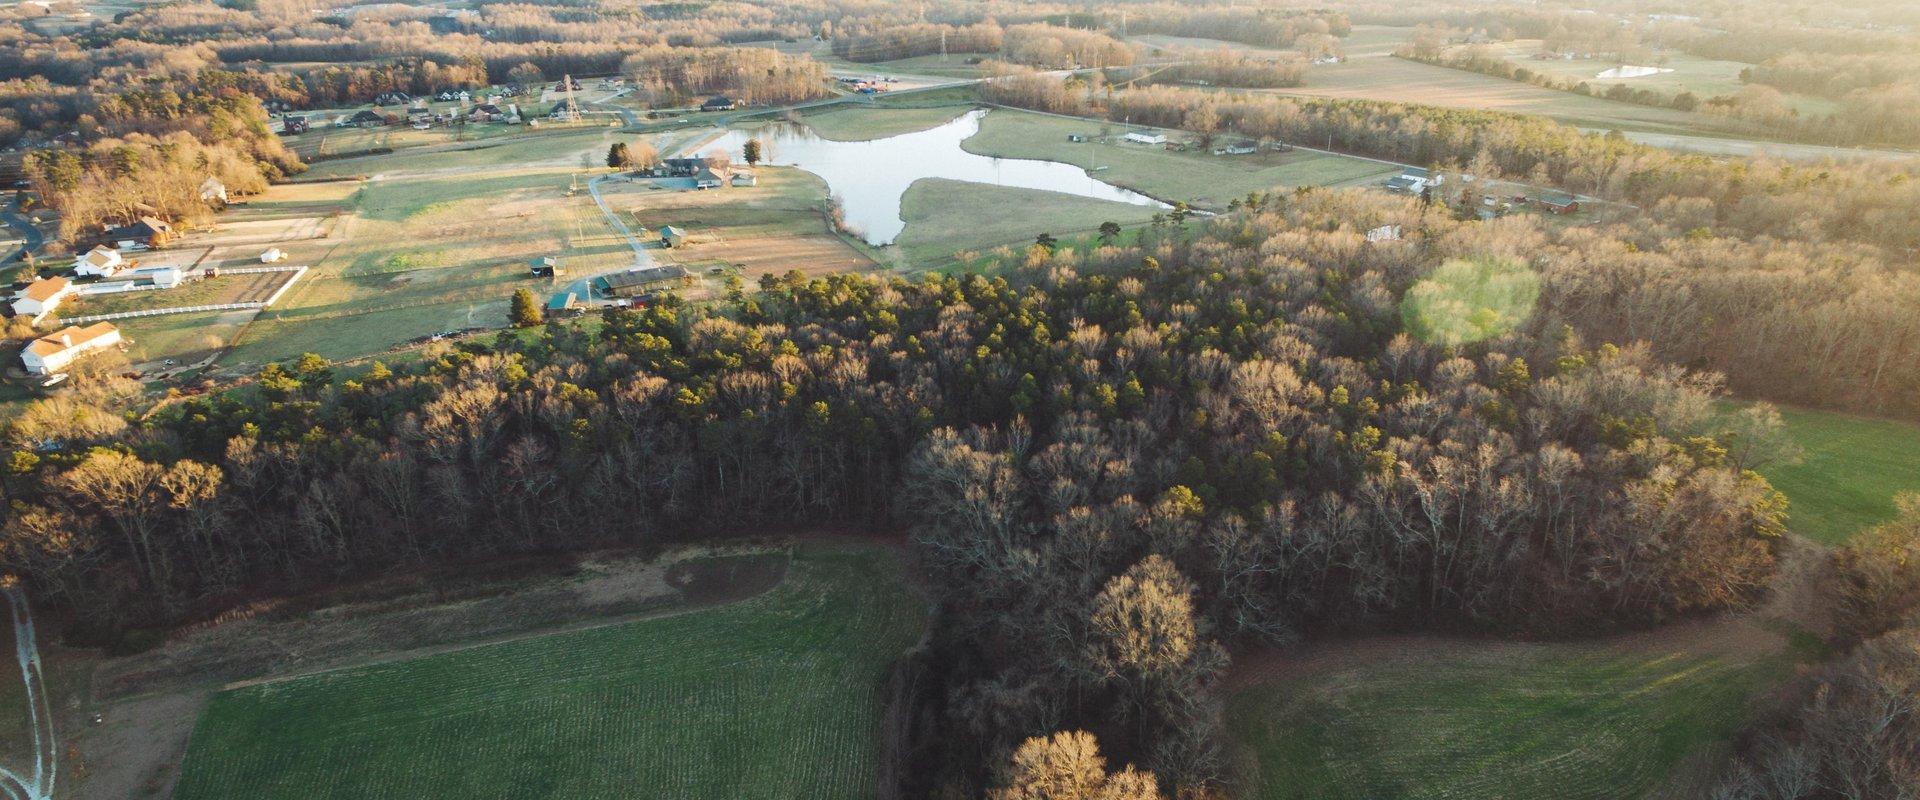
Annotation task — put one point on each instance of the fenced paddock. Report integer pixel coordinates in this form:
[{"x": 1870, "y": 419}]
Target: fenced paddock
[{"x": 268, "y": 288}]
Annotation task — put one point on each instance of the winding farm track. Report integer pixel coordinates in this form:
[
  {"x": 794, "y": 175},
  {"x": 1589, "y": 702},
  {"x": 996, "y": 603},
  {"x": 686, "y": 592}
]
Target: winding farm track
[{"x": 40, "y": 714}]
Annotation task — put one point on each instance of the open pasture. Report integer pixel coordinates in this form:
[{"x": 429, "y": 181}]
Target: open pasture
[
  {"x": 434, "y": 241},
  {"x": 1407, "y": 717},
  {"x": 1848, "y": 474},
  {"x": 945, "y": 217},
  {"x": 1704, "y": 77},
  {"x": 859, "y": 123},
  {"x": 774, "y": 227},
  {"x": 1198, "y": 178},
  {"x": 772, "y": 697}
]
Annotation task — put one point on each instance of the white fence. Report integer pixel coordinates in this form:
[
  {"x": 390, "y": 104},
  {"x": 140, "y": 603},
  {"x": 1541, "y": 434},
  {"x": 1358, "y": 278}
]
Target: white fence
[{"x": 156, "y": 312}]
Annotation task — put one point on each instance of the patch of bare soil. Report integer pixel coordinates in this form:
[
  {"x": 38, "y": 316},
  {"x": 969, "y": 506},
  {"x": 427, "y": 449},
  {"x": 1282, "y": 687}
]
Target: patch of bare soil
[
  {"x": 275, "y": 641},
  {"x": 135, "y": 748}
]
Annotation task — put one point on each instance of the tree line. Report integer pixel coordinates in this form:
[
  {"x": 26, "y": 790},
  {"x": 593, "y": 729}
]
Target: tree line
[{"x": 1117, "y": 464}]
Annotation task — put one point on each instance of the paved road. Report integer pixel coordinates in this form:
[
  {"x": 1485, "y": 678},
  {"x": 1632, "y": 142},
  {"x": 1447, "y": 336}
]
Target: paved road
[{"x": 19, "y": 222}]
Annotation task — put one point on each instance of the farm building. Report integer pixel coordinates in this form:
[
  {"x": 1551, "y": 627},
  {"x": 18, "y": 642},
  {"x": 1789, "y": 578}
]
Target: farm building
[
  {"x": 1241, "y": 148},
  {"x": 41, "y": 297},
  {"x": 102, "y": 261},
  {"x": 1560, "y": 204},
  {"x": 546, "y": 267},
  {"x": 53, "y": 352},
  {"x": 639, "y": 281},
  {"x": 564, "y": 304},
  {"x": 672, "y": 236},
  {"x": 718, "y": 103},
  {"x": 1414, "y": 180},
  {"x": 706, "y": 178},
  {"x": 745, "y": 177},
  {"x": 150, "y": 231},
  {"x": 163, "y": 277},
  {"x": 1145, "y": 137}
]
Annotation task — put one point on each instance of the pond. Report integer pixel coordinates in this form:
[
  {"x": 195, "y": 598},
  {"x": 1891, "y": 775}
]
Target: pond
[{"x": 869, "y": 177}]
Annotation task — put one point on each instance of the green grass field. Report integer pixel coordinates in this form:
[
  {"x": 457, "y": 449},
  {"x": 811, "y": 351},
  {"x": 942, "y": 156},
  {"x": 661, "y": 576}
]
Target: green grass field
[
  {"x": 1200, "y": 179},
  {"x": 1371, "y": 72},
  {"x": 1469, "y": 719},
  {"x": 1705, "y": 77},
  {"x": 1848, "y": 474},
  {"x": 944, "y": 217},
  {"x": 436, "y": 240},
  {"x": 859, "y": 123},
  {"x": 772, "y": 697}
]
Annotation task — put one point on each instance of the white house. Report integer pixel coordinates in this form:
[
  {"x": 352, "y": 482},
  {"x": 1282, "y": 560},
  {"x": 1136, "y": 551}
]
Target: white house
[
  {"x": 41, "y": 297},
  {"x": 1145, "y": 137},
  {"x": 102, "y": 261},
  {"x": 1414, "y": 180},
  {"x": 53, "y": 352}
]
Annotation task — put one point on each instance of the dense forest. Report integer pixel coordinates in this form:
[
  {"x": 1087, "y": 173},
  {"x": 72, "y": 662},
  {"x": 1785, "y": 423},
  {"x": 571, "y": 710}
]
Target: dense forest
[{"x": 1234, "y": 433}]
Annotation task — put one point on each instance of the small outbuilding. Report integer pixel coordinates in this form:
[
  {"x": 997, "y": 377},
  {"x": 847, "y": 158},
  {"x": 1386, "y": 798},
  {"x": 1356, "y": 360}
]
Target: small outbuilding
[
  {"x": 546, "y": 267},
  {"x": 672, "y": 236},
  {"x": 635, "y": 282},
  {"x": 1144, "y": 137}
]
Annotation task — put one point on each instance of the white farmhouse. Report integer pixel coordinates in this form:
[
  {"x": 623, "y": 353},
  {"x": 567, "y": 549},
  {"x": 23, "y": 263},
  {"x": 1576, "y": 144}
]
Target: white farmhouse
[
  {"x": 102, "y": 261},
  {"x": 41, "y": 297},
  {"x": 53, "y": 352}
]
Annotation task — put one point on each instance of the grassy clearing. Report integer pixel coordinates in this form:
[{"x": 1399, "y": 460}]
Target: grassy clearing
[
  {"x": 774, "y": 227},
  {"x": 437, "y": 241},
  {"x": 776, "y": 696},
  {"x": 1849, "y": 472},
  {"x": 859, "y": 123},
  {"x": 208, "y": 291},
  {"x": 186, "y": 337},
  {"x": 1454, "y": 719},
  {"x": 944, "y": 217},
  {"x": 1371, "y": 72},
  {"x": 1705, "y": 77},
  {"x": 1200, "y": 179},
  {"x": 564, "y": 148}
]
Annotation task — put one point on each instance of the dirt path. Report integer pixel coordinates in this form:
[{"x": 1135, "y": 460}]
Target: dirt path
[{"x": 39, "y": 713}]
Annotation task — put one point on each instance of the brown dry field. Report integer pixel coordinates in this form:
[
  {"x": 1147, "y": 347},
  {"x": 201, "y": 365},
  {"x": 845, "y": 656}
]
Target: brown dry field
[{"x": 814, "y": 254}]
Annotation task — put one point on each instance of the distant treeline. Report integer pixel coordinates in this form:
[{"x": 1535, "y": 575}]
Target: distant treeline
[{"x": 1790, "y": 279}]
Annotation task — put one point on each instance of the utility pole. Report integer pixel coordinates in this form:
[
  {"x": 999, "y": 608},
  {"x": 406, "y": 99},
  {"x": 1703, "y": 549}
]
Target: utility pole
[
  {"x": 1123, "y": 23},
  {"x": 943, "y": 45}
]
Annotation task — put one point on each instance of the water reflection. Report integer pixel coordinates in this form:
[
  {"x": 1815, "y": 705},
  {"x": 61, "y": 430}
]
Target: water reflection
[{"x": 869, "y": 177}]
